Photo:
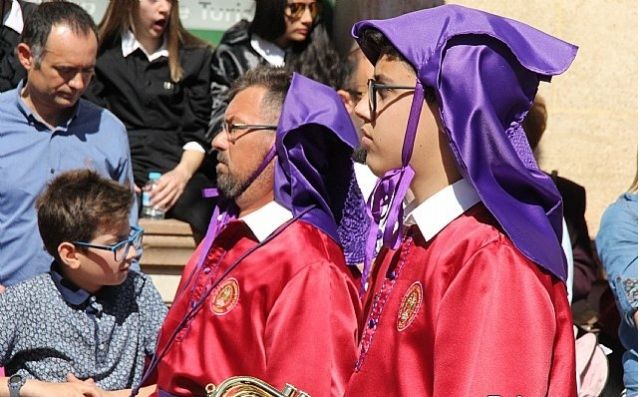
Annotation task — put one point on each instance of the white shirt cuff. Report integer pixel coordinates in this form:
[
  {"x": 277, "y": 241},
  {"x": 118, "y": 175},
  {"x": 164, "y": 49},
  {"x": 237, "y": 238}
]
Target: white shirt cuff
[{"x": 194, "y": 146}]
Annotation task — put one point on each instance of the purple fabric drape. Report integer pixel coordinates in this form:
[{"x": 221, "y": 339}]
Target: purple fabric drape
[
  {"x": 485, "y": 71},
  {"x": 314, "y": 171}
]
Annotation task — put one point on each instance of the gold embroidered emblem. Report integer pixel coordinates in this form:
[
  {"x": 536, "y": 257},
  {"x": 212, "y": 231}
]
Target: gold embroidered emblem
[
  {"x": 225, "y": 297},
  {"x": 410, "y": 306}
]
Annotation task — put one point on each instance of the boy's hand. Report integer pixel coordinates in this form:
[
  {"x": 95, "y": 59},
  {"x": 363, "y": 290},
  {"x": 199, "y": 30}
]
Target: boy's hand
[
  {"x": 71, "y": 378},
  {"x": 145, "y": 391},
  {"x": 34, "y": 388}
]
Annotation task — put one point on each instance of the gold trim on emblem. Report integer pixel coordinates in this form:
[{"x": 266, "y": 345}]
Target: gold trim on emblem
[
  {"x": 409, "y": 306},
  {"x": 225, "y": 297}
]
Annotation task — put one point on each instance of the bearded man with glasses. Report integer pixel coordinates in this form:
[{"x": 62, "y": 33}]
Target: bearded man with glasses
[{"x": 271, "y": 292}]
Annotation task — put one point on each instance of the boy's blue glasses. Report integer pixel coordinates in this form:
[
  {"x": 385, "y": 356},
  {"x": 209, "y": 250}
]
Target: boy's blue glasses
[{"x": 120, "y": 248}]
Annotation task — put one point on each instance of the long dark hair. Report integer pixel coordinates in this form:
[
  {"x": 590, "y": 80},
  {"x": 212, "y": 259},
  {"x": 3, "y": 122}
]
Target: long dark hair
[
  {"x": 321, "y": 61},
  {"x": 268, "y": 20},
  {"x": 315, "y": 57}
]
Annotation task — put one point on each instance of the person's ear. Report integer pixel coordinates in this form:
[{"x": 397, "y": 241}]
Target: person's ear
[
  {"x": 68, "y": 254},
  {"x": 349, "y": 104},
  {"x": 25, "y": 56}
]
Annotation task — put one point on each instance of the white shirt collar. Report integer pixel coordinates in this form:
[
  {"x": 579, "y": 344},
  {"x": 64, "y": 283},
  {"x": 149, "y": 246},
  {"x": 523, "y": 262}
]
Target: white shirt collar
[
  {"x": 267, "y": 219},
  {"x": 130, "y": 44},
  {"x": 366, "y": 179},
  {"x": 14, "y": 19},
  {"x": 436, "y": 212},
  {"x": 268, "y": 50}
]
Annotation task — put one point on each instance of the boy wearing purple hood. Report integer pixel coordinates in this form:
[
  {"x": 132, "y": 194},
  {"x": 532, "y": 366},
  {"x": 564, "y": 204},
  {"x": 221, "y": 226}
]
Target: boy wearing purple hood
[{"x": 467, "y": 297}]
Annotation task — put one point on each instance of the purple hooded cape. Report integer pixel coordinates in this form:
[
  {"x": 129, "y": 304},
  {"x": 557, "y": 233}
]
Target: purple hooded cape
[
  {"x": 485, "y": 71},
  {"x": 314, "y": 176},
  {"x": 314, "y": 173}
]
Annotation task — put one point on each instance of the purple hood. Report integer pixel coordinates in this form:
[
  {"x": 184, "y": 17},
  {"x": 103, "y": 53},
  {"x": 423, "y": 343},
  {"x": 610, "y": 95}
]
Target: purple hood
[
  {"x": 485, "y": 71},
  {"x": 314, "y": 170}
]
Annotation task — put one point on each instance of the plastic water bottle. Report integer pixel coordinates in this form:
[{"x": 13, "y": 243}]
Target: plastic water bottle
[{"x": 149, "y": 211}]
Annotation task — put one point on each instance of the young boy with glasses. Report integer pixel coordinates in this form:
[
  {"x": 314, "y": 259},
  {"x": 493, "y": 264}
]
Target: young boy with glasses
[
  {"x": 90, "y": 317},
  {"x": 467, "y": 296}
]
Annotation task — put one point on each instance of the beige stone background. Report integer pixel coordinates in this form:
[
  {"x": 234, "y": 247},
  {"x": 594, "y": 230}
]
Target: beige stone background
[{"x": 592, "y": 130}]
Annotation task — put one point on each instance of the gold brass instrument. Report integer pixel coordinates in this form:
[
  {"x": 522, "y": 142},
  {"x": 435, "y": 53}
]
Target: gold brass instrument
[{"x": 248, "y": 386}]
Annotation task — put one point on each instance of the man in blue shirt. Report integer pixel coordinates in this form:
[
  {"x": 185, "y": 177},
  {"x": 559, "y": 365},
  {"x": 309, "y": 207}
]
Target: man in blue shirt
[{"x": 45, "y": 129}]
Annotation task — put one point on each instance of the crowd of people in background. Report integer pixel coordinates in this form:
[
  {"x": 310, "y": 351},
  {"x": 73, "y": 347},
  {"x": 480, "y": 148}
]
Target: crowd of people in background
[{"x": 379, "y": 223}]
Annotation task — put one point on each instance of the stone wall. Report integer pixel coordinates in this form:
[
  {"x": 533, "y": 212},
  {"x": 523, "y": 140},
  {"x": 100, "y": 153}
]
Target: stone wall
[
  {"x": 592, "y": 130},
  {"x": 591, "y": 135}
]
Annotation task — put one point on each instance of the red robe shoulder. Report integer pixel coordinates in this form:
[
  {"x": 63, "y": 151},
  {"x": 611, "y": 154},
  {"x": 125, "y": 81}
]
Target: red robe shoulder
[
  {"x": 464, "y": 314},
  {"x": 287, "y": 313}
]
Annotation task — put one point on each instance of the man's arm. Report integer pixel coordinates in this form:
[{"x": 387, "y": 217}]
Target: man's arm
[
  {"x": 311, "y": 332},
  {"x": 143, "y": 392},
  {"x": 152, "y": 313},
  {"x": 11, "y": 315},
  {"x": 503, "y": 328},
  {"x": 124, "y": 175}
]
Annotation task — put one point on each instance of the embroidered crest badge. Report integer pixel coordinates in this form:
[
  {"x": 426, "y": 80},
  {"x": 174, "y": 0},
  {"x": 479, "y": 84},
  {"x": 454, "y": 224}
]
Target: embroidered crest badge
[
  {"x": 409, "y": 306},
  {"x": 225, "y": 297}
]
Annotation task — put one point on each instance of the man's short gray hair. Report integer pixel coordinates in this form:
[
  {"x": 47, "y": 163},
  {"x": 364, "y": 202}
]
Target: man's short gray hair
[{"x": 276, "y": 80}]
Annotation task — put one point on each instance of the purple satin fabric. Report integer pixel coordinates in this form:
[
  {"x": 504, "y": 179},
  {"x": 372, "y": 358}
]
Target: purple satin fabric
[
  {"x": 485, "y": 71},
  {"x": 314, "y": 171}
]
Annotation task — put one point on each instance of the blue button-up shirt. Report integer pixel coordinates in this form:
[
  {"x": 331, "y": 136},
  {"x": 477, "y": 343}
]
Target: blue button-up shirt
[
  {"x": 31, "y": 155},
  {"x": 617, "y": 245}
]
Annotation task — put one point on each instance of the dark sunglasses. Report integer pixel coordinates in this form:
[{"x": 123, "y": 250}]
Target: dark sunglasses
[
  {"x": 373, "y": 88},
  {"x": 296, "y": 10}
]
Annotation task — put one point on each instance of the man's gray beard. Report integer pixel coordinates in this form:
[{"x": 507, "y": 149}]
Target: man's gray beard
[{"x": 229, "y": 186}]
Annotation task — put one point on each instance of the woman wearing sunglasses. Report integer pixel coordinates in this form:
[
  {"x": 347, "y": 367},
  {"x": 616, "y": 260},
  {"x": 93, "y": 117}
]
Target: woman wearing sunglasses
[
  {"x": 282, "y": 32},
  {"x": 155, "y": 76}
]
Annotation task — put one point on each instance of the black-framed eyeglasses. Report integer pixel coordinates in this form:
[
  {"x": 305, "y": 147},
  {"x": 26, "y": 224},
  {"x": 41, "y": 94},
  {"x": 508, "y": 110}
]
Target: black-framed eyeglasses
[
  {"x": 229, "y": 129},
  {"x": 296, "y": 10},
  {"x": 121, "y": 248},
  {"x": 373, "y": 88}
]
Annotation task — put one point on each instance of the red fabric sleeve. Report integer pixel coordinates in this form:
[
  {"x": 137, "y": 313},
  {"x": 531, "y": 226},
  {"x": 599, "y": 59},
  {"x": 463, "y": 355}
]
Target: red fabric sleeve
[
  {"x": 311, "y": 333},
  {"x": 502, "y": 329}
]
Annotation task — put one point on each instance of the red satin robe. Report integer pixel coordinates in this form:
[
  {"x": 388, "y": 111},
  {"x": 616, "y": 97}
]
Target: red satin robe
[
  {"x": 464, "y": 314},
  {"x": 287, "y": 313}
]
